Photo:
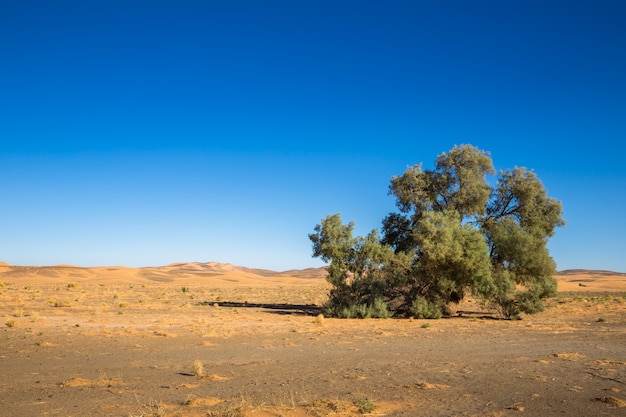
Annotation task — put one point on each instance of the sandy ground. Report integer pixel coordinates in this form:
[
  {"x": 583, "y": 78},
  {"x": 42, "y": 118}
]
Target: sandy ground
[{"x": 218, "y": 340}]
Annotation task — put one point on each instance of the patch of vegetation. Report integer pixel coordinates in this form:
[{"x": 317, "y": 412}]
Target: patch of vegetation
[
  {"x": 229, "y": 411},
  {"x": 59, "y": 303},
  {"x": 364, "y": 405},
  {"x": 152, "y": 409},
  {"x": 198, "y": 368},
  {"x": 343, "y": 306}
]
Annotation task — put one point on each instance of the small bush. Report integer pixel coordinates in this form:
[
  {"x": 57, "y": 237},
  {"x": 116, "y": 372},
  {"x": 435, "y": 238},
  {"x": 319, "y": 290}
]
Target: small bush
[
  {"x": 422, "y": 309},
  {"x": 378, "y": 309},
  {"x": 364, "y": 405},
  {"x": 60, "y": 303}
]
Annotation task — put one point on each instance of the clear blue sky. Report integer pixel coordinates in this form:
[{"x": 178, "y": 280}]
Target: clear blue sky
[{"x": 142, "y": 133}]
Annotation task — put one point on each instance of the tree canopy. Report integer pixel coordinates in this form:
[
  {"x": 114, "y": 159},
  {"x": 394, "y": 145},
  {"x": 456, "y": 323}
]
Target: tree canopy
[{"x": 454, "y": 235}]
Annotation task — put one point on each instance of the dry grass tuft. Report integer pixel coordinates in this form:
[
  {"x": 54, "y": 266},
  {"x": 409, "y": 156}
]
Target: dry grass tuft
[
  {"x": 59, "y": 303},
  {"x": 198, "y": 368},
  {"x": 152, "y": 409},
  {"x": 230, "y": 411}
]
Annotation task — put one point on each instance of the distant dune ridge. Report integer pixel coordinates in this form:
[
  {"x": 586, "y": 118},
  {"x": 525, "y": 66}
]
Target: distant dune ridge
[
  {"x": 228, "y": 274},
  {"x": 185, "y": 272},
  {"x": 589, "y": 272}
]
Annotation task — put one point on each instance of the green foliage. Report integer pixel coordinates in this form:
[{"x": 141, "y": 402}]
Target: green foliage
[
  {"x": 421, "y": 308},
  {"x": 343, "y": 306},
  {"x": 454, "y": 235},
  {"x": 364, "y": 405}
]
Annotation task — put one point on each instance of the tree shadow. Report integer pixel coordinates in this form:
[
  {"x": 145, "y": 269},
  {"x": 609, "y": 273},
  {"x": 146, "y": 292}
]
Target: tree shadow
[
  {"x": 314, "y": 310},
  {"x": 273, "y": 308},
  {"x": 482, "y": 315}
]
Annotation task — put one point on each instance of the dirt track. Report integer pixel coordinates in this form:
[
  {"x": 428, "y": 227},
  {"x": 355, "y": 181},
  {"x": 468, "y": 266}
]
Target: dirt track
[{"x": 93, "y": 349}]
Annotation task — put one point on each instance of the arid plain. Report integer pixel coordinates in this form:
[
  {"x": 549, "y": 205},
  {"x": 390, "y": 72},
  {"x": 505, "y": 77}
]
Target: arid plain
[{"x": 216, "y": 340}]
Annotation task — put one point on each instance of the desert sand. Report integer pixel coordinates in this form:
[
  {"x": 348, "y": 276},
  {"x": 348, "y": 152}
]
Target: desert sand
[{"x": 212, "y": 339}]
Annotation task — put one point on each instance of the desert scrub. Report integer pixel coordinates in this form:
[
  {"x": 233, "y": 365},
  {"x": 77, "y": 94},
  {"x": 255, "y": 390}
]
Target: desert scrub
[
  {"x": 10, "y": 323},
  {"x": 152, "y": 409},
  {"x": 58, "y": 303},
  {"x": 342, "y": 306},
  {"x": 423, "y": 309},
  {"x": 73, "y": 285},
  {"x": 364, "y": 405},
  {"x": 198, "y": 368},
  {"x": 231, "y": 411},
  {"x": 18, "y": 312}
]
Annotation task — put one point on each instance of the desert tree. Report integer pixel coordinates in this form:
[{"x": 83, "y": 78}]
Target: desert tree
[{"x": 454, "y": 235}]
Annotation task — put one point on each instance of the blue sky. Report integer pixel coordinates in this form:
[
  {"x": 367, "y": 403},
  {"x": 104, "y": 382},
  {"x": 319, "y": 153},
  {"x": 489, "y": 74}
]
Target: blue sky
[{"x": 142, "y": 133}]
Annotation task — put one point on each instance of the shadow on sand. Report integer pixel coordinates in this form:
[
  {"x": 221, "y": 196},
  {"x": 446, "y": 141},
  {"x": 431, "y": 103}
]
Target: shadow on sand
[
  {"x": 314, "y": 310},
  {"x": 283, "y": 309}
]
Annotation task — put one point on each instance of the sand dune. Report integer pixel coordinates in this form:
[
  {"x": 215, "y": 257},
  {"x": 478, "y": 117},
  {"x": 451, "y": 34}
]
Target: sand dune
[
  {"x": 181, "y": 272},
  {"x": 591, "y": 280},
  {"x": 227, "y": 274}
]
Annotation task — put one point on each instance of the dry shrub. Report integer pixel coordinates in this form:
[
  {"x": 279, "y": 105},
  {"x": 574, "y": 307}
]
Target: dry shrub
[
  {"x": 230, "y": 411},
  {"x": 198, "y": 368},
  {"x": 59, "y": 303}
]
